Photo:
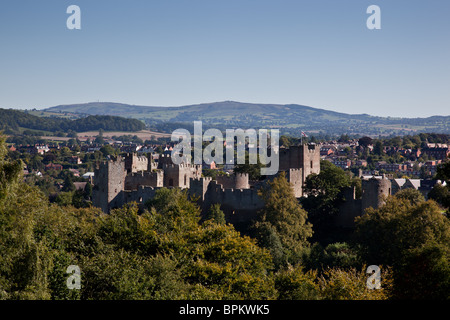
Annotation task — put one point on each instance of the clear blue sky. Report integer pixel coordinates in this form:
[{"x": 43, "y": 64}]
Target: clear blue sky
[{"x": 178, "y": 52}]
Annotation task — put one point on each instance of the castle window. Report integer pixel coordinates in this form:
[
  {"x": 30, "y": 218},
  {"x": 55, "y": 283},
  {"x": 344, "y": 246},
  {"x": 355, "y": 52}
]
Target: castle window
[
  {"x": 185, "y": 179},
  {"x": 311, "y": 164},
  {"x": 170, "y": 182}
]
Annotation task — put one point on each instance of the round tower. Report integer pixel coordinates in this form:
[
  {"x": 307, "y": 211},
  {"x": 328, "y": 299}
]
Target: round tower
[
  {"x": 374, "y": 191},
  {"x": 241, "y": 181}
]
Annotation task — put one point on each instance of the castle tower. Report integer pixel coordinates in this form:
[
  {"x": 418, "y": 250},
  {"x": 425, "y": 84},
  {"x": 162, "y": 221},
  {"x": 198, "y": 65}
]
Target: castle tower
[
  {"x": 373, "y": 191},
  {"x": 109, "y": 184},
  {"x": 310, "y": 159},
  {"x": 290, "y": 158},
  {"x": 179, "y": 175},
  {"x": 241, "y": 181},
  {"x": 199, "y": 186},
  {"x": 305, "y": 157},
  {"x": 135, "y": 163}
]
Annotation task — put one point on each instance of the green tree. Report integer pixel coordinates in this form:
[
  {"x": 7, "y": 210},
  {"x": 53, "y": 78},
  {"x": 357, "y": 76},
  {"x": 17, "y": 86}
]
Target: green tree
[
  {"x": 87, "y": 192},
  {"x": 282, "y": 226},
  {"x": 216, "y": 214},
  {"x": 365, "y": 141},
  {"x": 233, "y": 266},
  {"x": 108, "y": 150},
  {"x": 295, "y": 284},
  {"x": 66, "y": 152},
  {"x": 212, "y": 260},
  {"x": 334, "y": 255},
  {"x": 443, "y": 172},
  {"x": 25, "y": 261},
  {"x": 65, "y": 198},
  {"x": 323, "y": 196},
  {"x": 350, "y": 284},
  {"x": 424, "y": 273},
  {"x": 412, "y": 195},
  {"x": 385, "y": 234},
  {"x": 440, "y": 194},
  {"x": 253, "y": 170},
  {"x": 99, "y": 138},
  {"x": 68, "y": 185},
  {"x": 402, "y": 233},
  {"x": 378, "y": 148},
  {"x": 10, "y": 174}
]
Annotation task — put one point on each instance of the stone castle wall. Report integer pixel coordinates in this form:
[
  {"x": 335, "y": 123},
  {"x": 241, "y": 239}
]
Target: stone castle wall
[
  {"x": 235, "y": 181},
  {"x": 141, "y": 195},
  {"x": 295, "y": 177},
  {"x": 239, "y": 205},
  {"x": 151, "y": 179}
]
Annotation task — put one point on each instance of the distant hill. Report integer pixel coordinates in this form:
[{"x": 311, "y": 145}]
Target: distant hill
[
  {"x": 290, "y": 119},
  {"x": 17, "y": 120}
]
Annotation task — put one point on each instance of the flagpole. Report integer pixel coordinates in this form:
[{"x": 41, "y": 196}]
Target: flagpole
[{"x": 301, "y": 137}]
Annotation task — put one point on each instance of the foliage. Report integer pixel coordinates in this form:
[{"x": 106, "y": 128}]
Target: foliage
[
  {"x": 216, "y": 214},
  {"x": 412, "y": 195},
  {"x": 283, "y": 226},
  {"x": 323, "y": 195},
  {"x": 413, "y": 238},
  {"x": 14, "y": 119},
  {"x": 351, "y": 284},
  {"x": 334, "y": 255},
  {"x": 253, "y": 170},
  {"x": 443, "y": 172},
  {"x": 294, "y": 284},
  {"x": 424, "y": 273},
  {"x": 440, "y": 194},
  {"x": 365, "y": 141}
]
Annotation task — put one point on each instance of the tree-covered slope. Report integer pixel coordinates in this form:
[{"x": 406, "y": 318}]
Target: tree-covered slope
[{"x": 13, "y": 120}]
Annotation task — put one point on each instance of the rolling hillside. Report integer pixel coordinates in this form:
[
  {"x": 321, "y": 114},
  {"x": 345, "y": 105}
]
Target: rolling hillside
[{"x": 290, "y": 119}]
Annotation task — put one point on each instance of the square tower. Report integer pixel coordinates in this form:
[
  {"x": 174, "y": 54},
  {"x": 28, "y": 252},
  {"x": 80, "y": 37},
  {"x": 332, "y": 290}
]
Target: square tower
[{"x": 109, "y": 184}]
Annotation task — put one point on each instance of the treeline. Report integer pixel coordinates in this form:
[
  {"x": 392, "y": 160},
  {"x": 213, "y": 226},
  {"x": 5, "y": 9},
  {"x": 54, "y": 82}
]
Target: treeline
[{"x": 11, "y": 121}]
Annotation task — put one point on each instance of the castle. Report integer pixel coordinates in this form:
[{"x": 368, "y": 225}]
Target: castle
[{"x": 137, "y": 178}]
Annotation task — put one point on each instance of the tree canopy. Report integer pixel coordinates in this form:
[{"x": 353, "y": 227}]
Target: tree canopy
[
  {"x": 283, "y": 225},
  {"x": 412, "y": 236},
  {"x": 15, "y": 119}
]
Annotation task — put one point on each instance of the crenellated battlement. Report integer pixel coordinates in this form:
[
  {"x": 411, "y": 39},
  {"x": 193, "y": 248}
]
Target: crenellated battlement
[
  {"x": 157, "y": 172},
  {"x": 180, "y": 166}
]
